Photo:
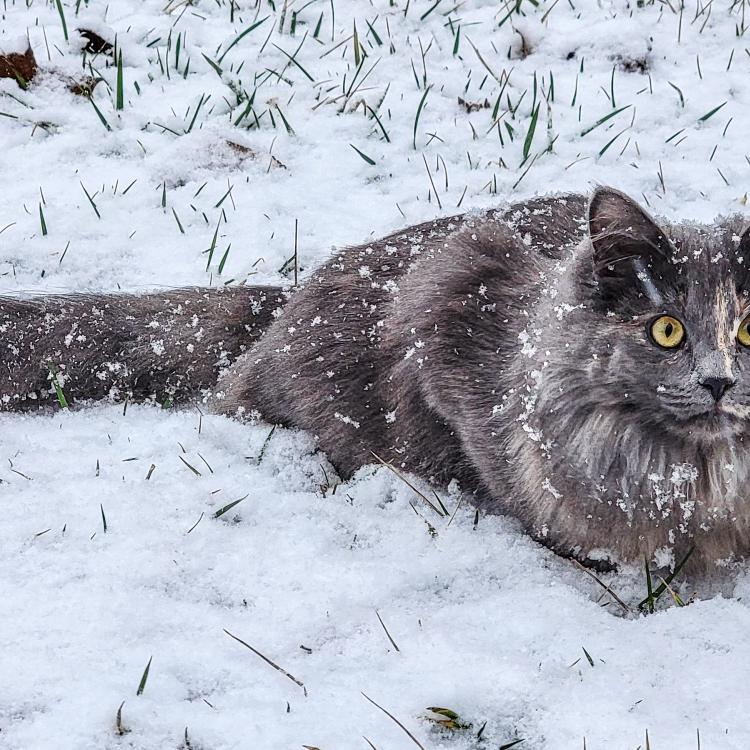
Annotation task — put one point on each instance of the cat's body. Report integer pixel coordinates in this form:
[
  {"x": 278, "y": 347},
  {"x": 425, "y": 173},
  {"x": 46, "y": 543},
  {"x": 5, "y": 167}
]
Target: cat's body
[{"x": 506, "y": 350}]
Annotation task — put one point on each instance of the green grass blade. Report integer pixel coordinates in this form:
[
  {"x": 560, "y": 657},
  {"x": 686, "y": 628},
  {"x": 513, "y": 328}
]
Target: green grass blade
[
  {"x": 224, "y": 257},
  {"x": 62, "y": 19},
  {"x": 530, "y": 134},
  {"x": 604, "y": 119},
  {"x": 120, "y": 97},
  {"x": 219, "y": 513},
  {"x": 370, "y": 161},
  {"x": 58, "y": 388},
  {"x": 99, "y": 114},
  {"x": 238, "y": 39},
  {"x": 214, "y": 65},
  {"x": 144, "y": 678},
  {"x": 711, "y": 113},
  {"x": 419, "y": 112}
]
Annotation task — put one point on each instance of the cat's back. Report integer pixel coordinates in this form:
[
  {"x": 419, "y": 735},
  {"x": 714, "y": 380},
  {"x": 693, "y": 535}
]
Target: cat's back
[
  {"x": 321, "y": 365},
  {"x": 548, "y": 225}
]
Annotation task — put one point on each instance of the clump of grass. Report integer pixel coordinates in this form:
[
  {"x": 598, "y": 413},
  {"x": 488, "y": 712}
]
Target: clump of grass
[{"x": 648, "y": 605}]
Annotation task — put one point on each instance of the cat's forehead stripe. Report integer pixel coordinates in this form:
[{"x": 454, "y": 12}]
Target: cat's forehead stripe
[{"x": 648, "y": 283}]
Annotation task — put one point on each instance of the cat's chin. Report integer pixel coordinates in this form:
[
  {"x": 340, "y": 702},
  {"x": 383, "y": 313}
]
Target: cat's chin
[{"x": 721, "y": 422}]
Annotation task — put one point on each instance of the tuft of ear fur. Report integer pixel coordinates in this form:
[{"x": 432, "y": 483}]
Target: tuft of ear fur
[
  {"x": 743, "y": 246},
  {"x": 629, "y": 247}
]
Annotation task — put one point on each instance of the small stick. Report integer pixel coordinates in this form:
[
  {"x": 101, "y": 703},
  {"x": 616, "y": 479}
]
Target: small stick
[
  {"x": 408, "y": 483},
  {"x": 392, "y": 717},
  {"x": 386, "y": 631},
  {"x": 268, "y": 661},
  {"x": 602, "y": 584}
]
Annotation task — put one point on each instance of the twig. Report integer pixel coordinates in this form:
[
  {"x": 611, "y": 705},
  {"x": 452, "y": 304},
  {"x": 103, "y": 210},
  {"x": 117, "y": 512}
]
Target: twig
[
  {"x": 602, "y": 584},
  {"x": 386, "y": 631},
  {"x": 268, "y": 661},
  {"x": 393, "y": 718},
  {"x": 408, "y": 483}
]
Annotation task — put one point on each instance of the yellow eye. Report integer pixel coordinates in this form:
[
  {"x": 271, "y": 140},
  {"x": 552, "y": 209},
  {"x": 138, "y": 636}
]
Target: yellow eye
[
  {"x": 669, "y": 333},
  {"x": 743, "y": 334}
]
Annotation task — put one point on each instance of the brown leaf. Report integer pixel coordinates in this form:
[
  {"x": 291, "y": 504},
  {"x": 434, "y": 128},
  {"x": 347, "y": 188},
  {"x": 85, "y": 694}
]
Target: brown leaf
[
  {"x": 94, "y": 43},
  {"x": 242, "y": 150},
  {"x": 21, "y": 67}
]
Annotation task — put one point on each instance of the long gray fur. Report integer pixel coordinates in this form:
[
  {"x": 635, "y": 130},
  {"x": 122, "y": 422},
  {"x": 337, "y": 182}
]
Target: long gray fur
[{"x": 508, "y": 350}]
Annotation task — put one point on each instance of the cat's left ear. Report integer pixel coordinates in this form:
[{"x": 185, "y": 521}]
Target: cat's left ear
[{"x": 630, "y": 249}]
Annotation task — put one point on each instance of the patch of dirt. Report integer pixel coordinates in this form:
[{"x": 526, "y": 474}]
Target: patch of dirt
[
  {"x": 473, "y": 106},
  {"x": 633, "y": 64}
]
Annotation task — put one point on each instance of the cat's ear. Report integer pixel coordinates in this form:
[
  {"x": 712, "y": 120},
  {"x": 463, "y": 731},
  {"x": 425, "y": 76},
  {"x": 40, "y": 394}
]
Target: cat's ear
[{"x": 630, "y": 250}]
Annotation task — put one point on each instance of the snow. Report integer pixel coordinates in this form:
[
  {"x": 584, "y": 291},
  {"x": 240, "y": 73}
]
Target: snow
[{"x": 487, "y": 623}]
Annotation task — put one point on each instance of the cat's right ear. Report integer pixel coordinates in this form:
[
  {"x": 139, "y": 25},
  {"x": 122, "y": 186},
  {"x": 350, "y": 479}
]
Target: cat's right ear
[{"x": 630, "y": 250}]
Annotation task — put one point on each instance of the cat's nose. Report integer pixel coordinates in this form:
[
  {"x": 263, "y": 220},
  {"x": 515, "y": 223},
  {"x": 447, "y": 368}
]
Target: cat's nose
[{"x": 717, "y": 386}]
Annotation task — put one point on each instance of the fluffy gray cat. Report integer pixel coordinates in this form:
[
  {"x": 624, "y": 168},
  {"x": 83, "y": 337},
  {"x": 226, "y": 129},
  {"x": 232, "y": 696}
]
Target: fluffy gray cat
[{"x": 570, "y": 362}]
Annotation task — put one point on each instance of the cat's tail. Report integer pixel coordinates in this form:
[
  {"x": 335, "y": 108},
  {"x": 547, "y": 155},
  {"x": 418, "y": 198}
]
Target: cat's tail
[{"x": 169, "y": 346}]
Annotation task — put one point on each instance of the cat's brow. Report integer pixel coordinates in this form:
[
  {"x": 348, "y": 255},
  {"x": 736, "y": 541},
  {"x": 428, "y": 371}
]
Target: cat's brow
[{"x": 648, "y": 283}]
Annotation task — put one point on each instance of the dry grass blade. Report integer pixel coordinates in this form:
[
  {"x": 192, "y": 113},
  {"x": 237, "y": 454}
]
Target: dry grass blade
[
  {"x": 268, "y": 661},
  {"x": 393, "y": 643},
  {"x": 192, "y": 468},
  {"x": 394, "y": 719},
  {"x": 407, "y": 483},
  {"x": 675, "y": 596},
  {"x": 119, "y": 728},
  {"x": 602, "y": 584},
  {"x": 200, "y": 518}
]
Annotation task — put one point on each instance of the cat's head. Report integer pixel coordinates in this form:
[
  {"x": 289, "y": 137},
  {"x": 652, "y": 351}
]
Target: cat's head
[{"x": 672, "y": 311}]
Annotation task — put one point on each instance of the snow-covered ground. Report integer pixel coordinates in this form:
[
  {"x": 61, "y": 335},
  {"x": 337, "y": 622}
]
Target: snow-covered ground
[{"x": 342, "y": 116}]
